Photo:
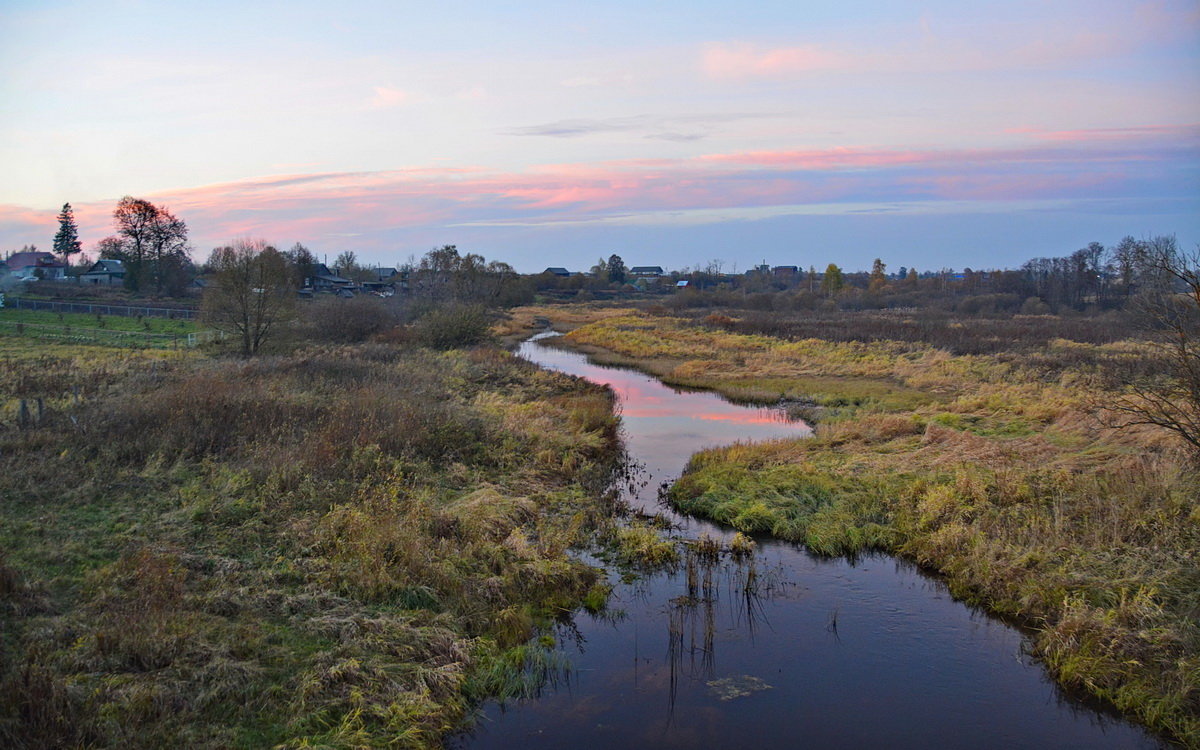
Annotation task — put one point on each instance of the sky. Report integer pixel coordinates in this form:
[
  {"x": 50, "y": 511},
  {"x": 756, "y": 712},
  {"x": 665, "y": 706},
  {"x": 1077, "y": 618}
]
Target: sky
[{"x": 931, "y": 135}]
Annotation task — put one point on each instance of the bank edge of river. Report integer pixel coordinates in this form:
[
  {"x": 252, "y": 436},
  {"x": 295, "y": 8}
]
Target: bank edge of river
[{"x": 1111, "y": 652}]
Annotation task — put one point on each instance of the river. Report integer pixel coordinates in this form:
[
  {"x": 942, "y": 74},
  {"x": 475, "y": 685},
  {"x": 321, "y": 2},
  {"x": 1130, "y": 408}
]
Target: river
[{"x": 815, "y": 652}]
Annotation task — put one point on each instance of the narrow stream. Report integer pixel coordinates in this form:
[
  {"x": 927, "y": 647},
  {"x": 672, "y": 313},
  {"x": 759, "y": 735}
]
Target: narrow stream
[{"x": 820, "y": 653}]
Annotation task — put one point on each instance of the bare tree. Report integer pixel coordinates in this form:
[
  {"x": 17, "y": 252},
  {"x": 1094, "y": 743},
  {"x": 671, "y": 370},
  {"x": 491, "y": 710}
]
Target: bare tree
[
  {"x": 134, "y": 219},
  {"x": 1168, "y": 395},
  {"x": 153, "y": 242},
  {"x": 253, "y": 293}
]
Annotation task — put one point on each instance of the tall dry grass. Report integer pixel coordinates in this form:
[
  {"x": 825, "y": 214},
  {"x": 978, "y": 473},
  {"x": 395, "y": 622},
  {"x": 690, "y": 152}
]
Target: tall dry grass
[{"x": 339, "y": 547}]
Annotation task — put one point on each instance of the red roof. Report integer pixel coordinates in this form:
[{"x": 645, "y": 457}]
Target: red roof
[{"x": 26, "y": 260}]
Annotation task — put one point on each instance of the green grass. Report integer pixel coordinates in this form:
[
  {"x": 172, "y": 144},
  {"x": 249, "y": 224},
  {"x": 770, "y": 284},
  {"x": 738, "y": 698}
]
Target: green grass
[
  {"x": 105, "y": 322},
  {"x": 50, "y": 328}
]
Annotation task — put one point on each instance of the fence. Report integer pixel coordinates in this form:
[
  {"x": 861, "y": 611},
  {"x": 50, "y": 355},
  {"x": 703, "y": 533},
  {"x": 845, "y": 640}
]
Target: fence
[
  {"x": 135, "y": 339},
  {"x": 125, "y": 311}
]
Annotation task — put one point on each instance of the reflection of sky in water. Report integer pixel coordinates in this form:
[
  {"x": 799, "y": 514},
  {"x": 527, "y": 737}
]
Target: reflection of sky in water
[
  {"x": 905, "y": 666},
  {"x": 663, "y": 426}
]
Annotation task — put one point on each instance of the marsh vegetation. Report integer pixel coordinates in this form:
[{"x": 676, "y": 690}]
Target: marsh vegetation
[
  {"x": 990, "y": 461},
  {"x": 340, "y": 546}
]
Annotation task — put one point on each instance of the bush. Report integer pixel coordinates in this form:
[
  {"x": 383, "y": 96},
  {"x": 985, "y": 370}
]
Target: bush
[
  {"x": 453, "y": 326},
  {"x": 347, "y": 321},
  {"x": 1034, "y": 306}
]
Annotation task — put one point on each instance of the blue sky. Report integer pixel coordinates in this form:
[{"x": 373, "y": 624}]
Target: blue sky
[{"x": 939, "y": 134}]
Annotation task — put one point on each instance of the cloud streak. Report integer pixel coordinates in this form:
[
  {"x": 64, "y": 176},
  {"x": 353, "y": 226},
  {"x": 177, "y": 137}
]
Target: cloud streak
[
  {"x": 679, "y": 127},
  {"x": 326, "y": 208}
]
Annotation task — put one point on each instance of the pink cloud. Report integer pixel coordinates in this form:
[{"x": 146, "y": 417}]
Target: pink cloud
[
  {"x": 325, "y": 208},
  {"x": 386, "y": 97},
  {"x": 742, "y": 60}
]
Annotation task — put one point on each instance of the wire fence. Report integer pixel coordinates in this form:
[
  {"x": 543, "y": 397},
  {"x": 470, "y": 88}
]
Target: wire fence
[
  {"x": 108, "y": 337},
  {"x": 125, "y": 311}
]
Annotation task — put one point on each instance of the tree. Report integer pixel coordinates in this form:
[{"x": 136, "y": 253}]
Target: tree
[
  {"x": 303, "y": 262},
  {"x": 66, "y": 241},
  {"x": 878, "y": 279},
  {"x": 153, "y": 242},
  {"x": 252, "y": 295},
  {"x": 616, "y": 269},
  {"x": 833, "y": 281},
  {"x": 168, "y": 251},
  {"x": 1167, "y": 394},
  {"x": 346, "y": 265},
  {"x": 445, "y": 276}
]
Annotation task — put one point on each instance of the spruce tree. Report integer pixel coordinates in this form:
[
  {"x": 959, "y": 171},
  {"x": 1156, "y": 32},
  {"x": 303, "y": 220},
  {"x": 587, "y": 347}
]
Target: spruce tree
[{"x": 66, "y": 242}]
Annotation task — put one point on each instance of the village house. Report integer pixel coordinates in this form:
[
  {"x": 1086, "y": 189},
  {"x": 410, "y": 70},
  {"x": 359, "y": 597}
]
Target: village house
[
  {"x": 29, "y": 266},
  {"x": 557, "y": 271},
  {"x": 320, "y": 279},
  {"x": 104, "y": 273},
  {"x": 646, "y": 272}
]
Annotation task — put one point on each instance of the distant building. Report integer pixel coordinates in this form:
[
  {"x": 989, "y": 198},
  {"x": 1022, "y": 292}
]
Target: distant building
[
  {"x": 557, "y": 271},
  {"x": 786, "y": 273},
  {"x": 320, "y": 279},
  {"x": 104, "y": 273},
  {"x": 646, "y": 272},
  {"x": 36, "y": 265}
]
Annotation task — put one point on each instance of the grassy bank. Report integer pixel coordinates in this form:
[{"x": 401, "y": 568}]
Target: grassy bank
[
  {"x": 341, "y": 547},
  {"x": 994, "y": 469}
]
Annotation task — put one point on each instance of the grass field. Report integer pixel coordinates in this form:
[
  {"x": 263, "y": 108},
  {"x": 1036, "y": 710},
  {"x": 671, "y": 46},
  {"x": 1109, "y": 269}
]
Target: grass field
[
  {"x": 341, "y": 547},
  {"x": 101, "y": 330}
]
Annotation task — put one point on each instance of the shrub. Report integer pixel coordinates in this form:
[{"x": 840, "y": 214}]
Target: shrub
[
  {"x": 453, "y": 326},
  {"x": 347, "y": 321}
]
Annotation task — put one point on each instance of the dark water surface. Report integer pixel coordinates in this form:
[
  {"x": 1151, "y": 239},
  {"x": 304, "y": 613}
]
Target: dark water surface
[{"x": 821, "y": 654}]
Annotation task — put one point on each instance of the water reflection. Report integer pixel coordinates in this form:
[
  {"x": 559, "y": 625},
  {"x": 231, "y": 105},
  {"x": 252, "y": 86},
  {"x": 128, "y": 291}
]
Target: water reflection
[{"x": 779, "y": 648}]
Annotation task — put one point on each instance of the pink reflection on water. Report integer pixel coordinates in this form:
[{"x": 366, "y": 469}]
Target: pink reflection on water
[{"x": 644, "y": 397}]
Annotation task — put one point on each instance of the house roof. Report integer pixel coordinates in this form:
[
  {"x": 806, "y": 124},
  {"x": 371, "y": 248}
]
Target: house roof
[
  {"x": 107, "y": 266},
  {"x": 646, "y": 269},
  {"x": 557, "y": 271},
  {"x": 17, "y": 261}
]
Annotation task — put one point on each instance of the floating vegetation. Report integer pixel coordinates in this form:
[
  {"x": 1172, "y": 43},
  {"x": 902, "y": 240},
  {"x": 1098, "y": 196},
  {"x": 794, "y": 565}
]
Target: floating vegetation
[{"x": 729, "y": 688}]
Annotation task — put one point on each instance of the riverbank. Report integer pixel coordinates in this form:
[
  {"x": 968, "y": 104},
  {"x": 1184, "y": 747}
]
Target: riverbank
[
  {"x": 991, "y": 469},
  {"x": 344, "y": 546}
]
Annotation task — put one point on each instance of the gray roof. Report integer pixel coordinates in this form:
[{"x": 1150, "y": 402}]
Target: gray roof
[{"x": 107, "y": 266}]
